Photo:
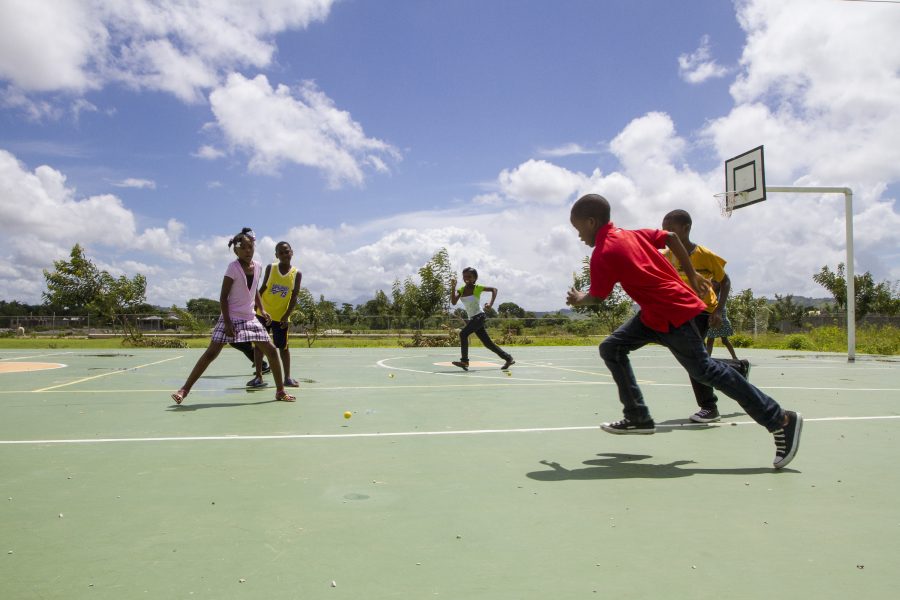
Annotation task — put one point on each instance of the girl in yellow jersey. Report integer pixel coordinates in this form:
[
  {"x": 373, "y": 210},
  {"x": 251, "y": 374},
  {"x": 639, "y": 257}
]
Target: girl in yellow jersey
[{"x": 280, "y": 287}]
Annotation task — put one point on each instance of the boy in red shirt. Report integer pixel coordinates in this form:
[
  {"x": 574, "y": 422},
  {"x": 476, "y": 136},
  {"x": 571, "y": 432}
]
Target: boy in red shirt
[{"x": 667, "y": 309}]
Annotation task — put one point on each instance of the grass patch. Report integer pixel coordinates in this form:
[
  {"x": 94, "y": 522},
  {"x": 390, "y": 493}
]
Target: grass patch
[{"x": 869, "y": 340}]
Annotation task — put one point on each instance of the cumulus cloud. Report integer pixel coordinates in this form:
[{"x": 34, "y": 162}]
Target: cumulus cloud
[
  {"x": 303, "y": 126},
  {"x": 699, "y": 66},
  {"x": 45, "y": 218},
  {"x": 182, "y": 47}
]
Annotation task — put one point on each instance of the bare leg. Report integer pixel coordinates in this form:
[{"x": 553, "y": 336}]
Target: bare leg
[
  {"x": 730, "y": 347},
  {"x": 710, "y": 342},
  {"x": 271, "y": 353},
  {"x": 285, "y": 362},
  {"x": 257, "y": 362},
  {"x": 202, "y": 364}
]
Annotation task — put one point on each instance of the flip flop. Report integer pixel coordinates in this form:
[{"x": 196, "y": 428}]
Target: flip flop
[{"x": 283, "y": 396}]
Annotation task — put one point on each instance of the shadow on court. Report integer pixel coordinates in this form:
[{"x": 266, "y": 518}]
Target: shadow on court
[{"x": 622, "y": 466}]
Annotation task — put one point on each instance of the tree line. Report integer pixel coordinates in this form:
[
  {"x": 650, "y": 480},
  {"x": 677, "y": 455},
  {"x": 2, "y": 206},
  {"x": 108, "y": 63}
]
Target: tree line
[{"x": 77, "y": 287}]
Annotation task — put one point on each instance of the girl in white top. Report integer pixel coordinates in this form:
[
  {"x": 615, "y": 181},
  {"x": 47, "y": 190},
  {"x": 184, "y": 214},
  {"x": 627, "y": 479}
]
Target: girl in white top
[
  {"x": 237, "y": 323},
  {"x": 470, "y": 294}
]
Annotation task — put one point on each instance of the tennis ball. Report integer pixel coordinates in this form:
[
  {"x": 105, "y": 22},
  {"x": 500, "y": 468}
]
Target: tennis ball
[
  {"x": 391, "y": 375},
  {"x": 509, "y": 374},
  {"x": 348, "y": 414}
]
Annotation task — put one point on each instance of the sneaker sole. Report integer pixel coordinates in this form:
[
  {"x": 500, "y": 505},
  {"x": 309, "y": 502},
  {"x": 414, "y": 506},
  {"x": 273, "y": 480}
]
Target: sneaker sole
[
  {"x": 796, "y": 446},
  {"x": 696, "y": 419},
  {"x": 644, "y": 431}
]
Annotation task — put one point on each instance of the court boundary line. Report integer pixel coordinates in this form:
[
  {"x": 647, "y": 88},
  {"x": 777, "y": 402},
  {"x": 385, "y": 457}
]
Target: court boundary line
[
  {"x": 315, "y": 436},
  {"x": 83, "y": 379}
]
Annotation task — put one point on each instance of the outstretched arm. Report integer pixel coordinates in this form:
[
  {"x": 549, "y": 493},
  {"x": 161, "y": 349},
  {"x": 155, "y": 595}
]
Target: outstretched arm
[{"x": 700, "y": 285}]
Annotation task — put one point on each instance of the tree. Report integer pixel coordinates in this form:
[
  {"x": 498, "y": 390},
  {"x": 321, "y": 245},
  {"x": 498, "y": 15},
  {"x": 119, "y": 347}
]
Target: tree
[
  {"x": 202, "y": 307},
  {"x": 786, "y": 310},
  {"x": 377, "y": 311},
  {"x": 612, "y": 311},
  {"x": 430, "y": 296},
  {"x": 77, "y": 284},
  {"x": 869, "y": 296},
  {"x": 511, "y": 310},
  {"x": 747, "y": 312},
  {"x": 72, "y": 284}
]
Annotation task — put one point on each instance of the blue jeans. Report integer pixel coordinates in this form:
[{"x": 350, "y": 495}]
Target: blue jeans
[
  {"x": 704, "y": 394},
  {"x": 686, "y": 344}
]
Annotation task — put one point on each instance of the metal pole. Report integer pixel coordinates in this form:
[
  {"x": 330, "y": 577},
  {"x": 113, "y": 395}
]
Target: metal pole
[{"x": 851, "y": 281}]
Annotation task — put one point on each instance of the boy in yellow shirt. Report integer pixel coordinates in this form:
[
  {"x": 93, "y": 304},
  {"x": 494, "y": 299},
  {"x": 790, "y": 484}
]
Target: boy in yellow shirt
[
  {"x": 279, "y": 290},
  {"x": 712, "y": 268}
]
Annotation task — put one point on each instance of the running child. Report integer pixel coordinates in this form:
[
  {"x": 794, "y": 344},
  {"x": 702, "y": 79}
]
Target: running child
[
  {"x": 710, "y": 267},
  {"x": 470, "y": 294},
  {"x": 238, "y": 322},
  {"x": 280, "y": 287},
  {"x": 667, "y": 309}
]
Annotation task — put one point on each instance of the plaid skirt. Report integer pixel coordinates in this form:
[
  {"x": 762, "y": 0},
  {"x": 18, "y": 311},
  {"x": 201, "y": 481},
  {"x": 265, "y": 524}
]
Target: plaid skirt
[
  {"x": 723, "y": 330},
  {"x": 244, "y": 331}
]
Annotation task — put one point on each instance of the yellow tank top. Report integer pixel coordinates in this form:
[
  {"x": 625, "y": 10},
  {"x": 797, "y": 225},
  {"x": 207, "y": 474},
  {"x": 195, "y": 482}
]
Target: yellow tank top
[{"x": 279, "y": 287}]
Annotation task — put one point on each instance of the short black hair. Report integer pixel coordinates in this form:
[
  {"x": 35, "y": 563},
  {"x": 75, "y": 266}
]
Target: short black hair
[
  {"x": 282, "y": 244},
  {"x": 472, "y": 271},
  {"x": 591, "y": 205},
  {"x": 679, "y": 216}
]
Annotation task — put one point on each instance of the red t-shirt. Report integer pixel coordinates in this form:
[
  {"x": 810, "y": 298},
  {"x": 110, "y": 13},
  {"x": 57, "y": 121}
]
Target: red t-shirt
[{"x": 632, "y": 258}]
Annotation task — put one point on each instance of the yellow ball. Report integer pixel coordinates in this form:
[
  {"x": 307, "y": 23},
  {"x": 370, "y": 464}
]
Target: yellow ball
[
  {"x": 391, "y": 375},
  {"x": 509, "y": 374},
  {"x": 348, "y": 414}
]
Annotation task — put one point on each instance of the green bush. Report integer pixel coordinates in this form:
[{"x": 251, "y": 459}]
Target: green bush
[
  {"x": 740, "y": 340},
  {"x": 798, "y": 342}
]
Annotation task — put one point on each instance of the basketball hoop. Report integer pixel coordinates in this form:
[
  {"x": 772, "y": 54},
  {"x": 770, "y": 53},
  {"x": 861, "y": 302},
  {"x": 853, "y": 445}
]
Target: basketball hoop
[{"x": 728, "y": 200}]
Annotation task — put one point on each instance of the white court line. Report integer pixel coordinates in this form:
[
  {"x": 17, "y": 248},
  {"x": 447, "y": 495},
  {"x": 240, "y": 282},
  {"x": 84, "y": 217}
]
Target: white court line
[
  {"x": 30, "y": 356},
  {"x": 335, "y": 436},
  {"x": 53, "y": 387}
]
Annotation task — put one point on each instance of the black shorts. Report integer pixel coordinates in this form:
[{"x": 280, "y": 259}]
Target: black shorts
[{"x": 278, "y": 333}]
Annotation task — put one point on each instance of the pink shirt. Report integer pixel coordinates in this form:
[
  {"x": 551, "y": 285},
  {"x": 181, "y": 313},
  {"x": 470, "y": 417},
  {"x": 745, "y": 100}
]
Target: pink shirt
[
  {"x": 241, "y": 299},
  {"x": 632, "y": 258}
]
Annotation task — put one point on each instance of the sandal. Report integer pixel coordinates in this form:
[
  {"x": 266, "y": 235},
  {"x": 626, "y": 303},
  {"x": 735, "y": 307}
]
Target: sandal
[
  {"x": 256, "y": 382},
  {"x": 291, "y": 382},
  {"x": 283, "y": 396},
  {"x": 179, "y": 396}
]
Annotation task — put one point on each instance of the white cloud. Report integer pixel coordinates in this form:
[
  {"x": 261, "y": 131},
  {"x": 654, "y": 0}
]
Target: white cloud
[
  {"x": 274, "y": 127},
  {"x": 699, "y": 66},
  {"x": 538, "y": 181},
  {"x": 180, "y": 46},
  {"x": 133, "y": 182},
  {"x": 570, "y": 149},
  {"x": 207, "y": 152}
]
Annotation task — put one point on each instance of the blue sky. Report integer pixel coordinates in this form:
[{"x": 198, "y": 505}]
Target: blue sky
[{"x": 370, "y": 134}]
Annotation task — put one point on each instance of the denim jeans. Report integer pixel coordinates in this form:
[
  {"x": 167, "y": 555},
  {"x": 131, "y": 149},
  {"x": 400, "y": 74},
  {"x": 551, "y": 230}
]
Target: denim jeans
[
  {"x": 703, "y": 393},
  {"x": 476, "y": 325},
  {"x": 686, "y": 345}
]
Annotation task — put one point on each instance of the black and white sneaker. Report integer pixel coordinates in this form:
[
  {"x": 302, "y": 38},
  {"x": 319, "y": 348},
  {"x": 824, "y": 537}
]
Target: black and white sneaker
[
  {"x": 627, "y": 426},
  {"x": 745, "y": 368},
  {"x": 509, "y": 362},
  {"x": 787, "y": 439},
  {"x": 706, "y": 415}
]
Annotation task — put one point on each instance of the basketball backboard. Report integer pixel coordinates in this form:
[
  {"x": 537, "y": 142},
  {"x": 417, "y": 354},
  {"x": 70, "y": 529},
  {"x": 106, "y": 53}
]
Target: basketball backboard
[{"x": 746, "y": 173}]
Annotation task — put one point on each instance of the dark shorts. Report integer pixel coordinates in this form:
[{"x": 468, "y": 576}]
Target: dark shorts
[{"x": 278, "y": 333}]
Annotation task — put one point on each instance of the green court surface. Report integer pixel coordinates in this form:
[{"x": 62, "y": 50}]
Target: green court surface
[{"x": 443, "y": 484}]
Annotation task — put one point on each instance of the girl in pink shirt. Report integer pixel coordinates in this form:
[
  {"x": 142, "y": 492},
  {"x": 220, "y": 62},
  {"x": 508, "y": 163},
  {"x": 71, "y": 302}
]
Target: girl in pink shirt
[{"x": 238, "y": 323}]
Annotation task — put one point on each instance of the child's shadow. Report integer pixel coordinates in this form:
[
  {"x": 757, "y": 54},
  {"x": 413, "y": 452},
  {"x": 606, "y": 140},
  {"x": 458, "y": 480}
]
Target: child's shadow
[
  {"x": 190, "y": 407},
  {"x": 622, "y": 466}
]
